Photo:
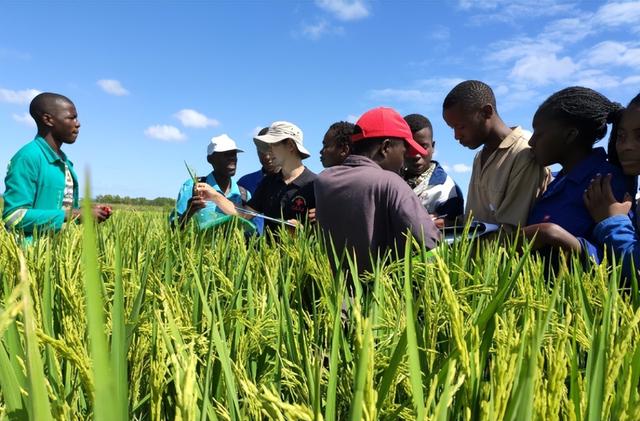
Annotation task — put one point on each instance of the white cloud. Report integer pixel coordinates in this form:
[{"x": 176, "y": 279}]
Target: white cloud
[
  {"x": 352, "y": 118},
  {"x": 541, "y": 69},
  {"x": 557, "y": 53},
  {"x": 165, "y": 132},
  {"x": 400, "y": 95},
  {"x": 440, "y": 83},
  {"x": 595, "y": 79},
  {"x": 17, "y": 97},
  {"x": 614, "y": 53},
  {"x": 619, "y": 14},
  {"x": 425, "y": 91},
  {"x": 461, "y": 168},
  {"x": 24, "y": 118},
  {"x": 317, "y": 30},
  {"x": 631, "y": 80},
  {"x": 192, "y": 118},
  {"x": 345, "y": 9},
  {"x": 112, "y": 87},
  {"x": 440, "y": 33},
  {"x": 569, "y": 30},
  {"x": 509, "y": 11},
  {"x": 501, "y": 90},
  {"x": 509, "y": 50},
  {"x": 478, "y": 4}
]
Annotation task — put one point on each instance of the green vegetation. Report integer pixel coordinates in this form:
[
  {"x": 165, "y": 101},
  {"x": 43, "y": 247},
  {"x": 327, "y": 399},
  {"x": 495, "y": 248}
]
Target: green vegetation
[
  {"x": 111, "y": 199},
  {"x": 130, "y": 320}
]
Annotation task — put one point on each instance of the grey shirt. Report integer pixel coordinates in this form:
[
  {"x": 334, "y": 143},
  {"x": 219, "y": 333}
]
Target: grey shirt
[{"x": 367, "y": 209}]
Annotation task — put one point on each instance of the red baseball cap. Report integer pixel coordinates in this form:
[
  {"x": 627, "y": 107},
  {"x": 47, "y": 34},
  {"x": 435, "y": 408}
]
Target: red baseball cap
[{"x": 386, "y": 122}]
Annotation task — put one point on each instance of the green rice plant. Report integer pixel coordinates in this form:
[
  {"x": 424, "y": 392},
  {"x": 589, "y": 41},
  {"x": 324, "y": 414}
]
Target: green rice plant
[{"x": 210, "y": 325}]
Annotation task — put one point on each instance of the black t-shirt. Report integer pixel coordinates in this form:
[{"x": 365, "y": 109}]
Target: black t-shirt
[{"x": 276, "y": 199}]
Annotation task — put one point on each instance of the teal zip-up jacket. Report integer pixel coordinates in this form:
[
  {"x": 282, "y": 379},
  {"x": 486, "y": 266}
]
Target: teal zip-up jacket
[{"x": 34, "y": 189}]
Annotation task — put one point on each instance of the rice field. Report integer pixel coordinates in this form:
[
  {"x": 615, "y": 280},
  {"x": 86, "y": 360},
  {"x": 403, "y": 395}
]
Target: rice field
[{"x": 131, "y": 320}]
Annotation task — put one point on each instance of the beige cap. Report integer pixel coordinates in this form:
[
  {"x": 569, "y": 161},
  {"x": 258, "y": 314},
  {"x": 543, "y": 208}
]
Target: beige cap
[{"x": 281, "y": 130}]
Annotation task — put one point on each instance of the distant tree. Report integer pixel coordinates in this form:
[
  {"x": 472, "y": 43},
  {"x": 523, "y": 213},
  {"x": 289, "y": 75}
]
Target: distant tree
[{"x": 135, "y": 201}]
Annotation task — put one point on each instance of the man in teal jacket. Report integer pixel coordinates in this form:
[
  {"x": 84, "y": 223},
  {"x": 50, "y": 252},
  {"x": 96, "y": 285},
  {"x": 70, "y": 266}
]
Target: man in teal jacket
[{"x": 41, "y": 187}]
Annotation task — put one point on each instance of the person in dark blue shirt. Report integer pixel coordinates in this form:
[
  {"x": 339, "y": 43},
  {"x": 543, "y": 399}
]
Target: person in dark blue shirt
[
  {"x": 251, "y": 181},
  {"x": 615, "y": 229},
  {"x": 566, "y": 126}
]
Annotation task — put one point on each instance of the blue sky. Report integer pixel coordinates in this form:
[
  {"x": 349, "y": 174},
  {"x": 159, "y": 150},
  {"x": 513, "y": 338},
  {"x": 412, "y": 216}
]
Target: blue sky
[{"x": 153, "y": 81}]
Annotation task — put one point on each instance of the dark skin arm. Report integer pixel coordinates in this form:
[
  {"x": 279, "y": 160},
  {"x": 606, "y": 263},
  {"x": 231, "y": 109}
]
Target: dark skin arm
[
  {"x": 551, "y": 235},
  {"x": 100, "y": 213},
  {"x": 196, "y": 203}
]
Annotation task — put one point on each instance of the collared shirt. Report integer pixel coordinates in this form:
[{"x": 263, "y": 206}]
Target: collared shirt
[
  {"x": 235, "y": 195},
  {"x": 438, "y": 192},
  {"x": 562, "y": 202},
  {"x": 277, "y": 199},
  {"x": 503, "y": 190},
  {"x": 368, "y": 210},
  {"x": 35, "y": 188}
]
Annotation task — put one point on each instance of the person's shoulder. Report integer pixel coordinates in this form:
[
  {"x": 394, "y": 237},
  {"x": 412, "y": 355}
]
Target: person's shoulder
[
  {"x": 392, "y": 181},
  {"x": 29, "y": 155},
  {"x": 249, "y": 177},
  {"x": 308, "y": 174},
  {"x": 29, "y": 150},
  {"x": 305, "y": 178},
  {"x": 188, "y": 183}
]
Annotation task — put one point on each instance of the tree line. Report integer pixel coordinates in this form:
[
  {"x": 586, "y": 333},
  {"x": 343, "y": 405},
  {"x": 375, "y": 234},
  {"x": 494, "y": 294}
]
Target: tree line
[{"x": 135, "y": 201}]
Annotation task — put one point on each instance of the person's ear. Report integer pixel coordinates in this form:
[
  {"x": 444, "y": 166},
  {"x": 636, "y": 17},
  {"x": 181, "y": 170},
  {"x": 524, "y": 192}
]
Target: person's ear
[
  {"x": 292, "y": 146},
  {"x": 385, "y": 146},
  {"x": 210, "y": 159},
  {"x": 345, "y": 149},
  {"x": 47, "y": 119},
  {"x": 487, "y": 111},
  {"x": 571, "y": 135}
]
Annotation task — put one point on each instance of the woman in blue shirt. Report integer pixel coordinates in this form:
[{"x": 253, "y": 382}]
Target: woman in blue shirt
[
  {"x": 566, "y": 126},
  {"x": 614, "y": 228}
]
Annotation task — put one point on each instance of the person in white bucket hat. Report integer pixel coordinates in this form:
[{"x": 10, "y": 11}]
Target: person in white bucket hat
[
  {"x": 222, "y": 154},
  {"x": 287, "y": 195}
]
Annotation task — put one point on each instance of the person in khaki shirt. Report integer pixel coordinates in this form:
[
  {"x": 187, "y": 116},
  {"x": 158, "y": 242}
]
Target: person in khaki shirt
[{"x": 506, "y": 179}]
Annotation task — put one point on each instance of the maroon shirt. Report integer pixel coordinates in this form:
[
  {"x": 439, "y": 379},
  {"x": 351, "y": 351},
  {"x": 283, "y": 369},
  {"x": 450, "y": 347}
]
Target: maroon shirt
[{"x": 367, "y": 209}]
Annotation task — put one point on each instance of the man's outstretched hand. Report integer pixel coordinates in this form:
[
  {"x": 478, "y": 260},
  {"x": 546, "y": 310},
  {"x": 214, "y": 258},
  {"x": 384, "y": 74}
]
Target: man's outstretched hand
[{"x": 99, "y": 212}]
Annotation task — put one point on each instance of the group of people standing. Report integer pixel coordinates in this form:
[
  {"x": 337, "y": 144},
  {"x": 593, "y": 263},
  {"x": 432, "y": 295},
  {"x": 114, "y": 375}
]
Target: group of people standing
[{"x": 381, "y": 182}]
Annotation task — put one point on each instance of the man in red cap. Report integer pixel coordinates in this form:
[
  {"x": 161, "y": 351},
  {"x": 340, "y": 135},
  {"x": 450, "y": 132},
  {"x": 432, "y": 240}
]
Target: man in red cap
[{"x": 363, "y": 206}]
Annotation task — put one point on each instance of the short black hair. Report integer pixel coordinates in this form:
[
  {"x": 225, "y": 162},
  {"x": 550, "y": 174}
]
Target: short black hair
[
  {"x": 418, "y": 122},
  {"x": 470, "y": 94},
  {"x": 263, "y": 131},
  {"x": 589, "y": 111},
  {"x": 342, "y": 131},
  {"x": 613, "y": 137},
  {"x": 364, "y": 146},
  {"x": 45, "y": 103}
]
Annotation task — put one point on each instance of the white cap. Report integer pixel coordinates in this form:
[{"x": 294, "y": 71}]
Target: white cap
[
  {"x": 281, "y": 130},
  {"x": 222, "y": 143}
]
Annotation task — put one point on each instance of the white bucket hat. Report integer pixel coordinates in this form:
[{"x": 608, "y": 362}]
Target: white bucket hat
[
  {"x": 281, "y": 130},
  {"x": 222, "y": 143}
]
